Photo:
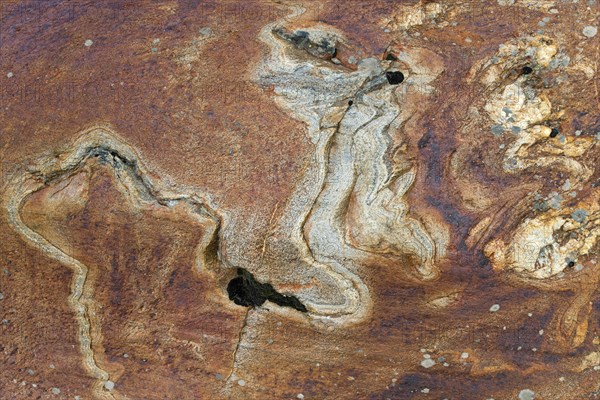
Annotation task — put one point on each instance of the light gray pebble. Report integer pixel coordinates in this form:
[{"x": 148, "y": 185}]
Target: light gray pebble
[{"x": 590, "y": 31}]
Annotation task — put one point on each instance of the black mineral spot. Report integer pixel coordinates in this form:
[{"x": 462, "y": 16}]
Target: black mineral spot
[
  {"x": 554, "y": 133},
  {"x": 391, "y": 57},
  {"x": 571, "y": 264},
  {"x": 350, "y": 102},
  {"x": 394, "y": 77},
  {"x": 245, "y": 290},
  {"x": 526, "y": 70}
]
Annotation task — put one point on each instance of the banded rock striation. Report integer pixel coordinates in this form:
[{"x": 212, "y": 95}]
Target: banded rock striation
[{"x": 379, "y": 200}]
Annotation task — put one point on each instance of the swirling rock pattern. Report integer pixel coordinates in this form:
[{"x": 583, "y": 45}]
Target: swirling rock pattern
[{"x": 223, "y": 200}]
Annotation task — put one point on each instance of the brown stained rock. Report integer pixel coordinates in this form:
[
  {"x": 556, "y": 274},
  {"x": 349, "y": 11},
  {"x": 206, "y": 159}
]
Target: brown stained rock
[{"x": 406, "y": 191}]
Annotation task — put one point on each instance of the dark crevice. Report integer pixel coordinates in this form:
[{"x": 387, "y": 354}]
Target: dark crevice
[{"x": 245, "y": 290}]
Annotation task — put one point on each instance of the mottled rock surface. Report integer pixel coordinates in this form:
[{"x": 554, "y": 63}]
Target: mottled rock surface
[{"x": 369, "y": 199}]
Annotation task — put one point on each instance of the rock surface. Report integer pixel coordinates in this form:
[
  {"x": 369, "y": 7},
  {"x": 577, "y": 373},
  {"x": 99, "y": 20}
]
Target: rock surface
[{"x": 322, "y": 200}]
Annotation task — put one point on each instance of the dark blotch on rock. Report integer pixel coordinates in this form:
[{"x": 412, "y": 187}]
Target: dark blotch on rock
[
  {"x": 526, "y": 70},
  {"x": 394, "y": 77},
  {"x": 245, "y": 290}
]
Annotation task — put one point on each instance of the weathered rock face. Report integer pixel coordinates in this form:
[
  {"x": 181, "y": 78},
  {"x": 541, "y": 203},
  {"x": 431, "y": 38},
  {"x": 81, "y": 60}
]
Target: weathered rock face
[{"x": 374, "y": 199}]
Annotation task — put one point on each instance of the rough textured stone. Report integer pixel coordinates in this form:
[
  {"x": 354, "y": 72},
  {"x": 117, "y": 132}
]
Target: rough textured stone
[{"x": 363, "y": 199}]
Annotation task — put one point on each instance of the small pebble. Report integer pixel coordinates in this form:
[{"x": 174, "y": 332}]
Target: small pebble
[
  {"x": 205, "y": 31},
  {"x": 109, "y": 385},
  {"x": 495, "y": 308},
  {"x": 497, "y": 129},
  {"x": 1, "y": 296},
  {"x": 464, "y": 355},
  {"x": 579, "y": 215},
  {"x": 427, "y": 363},
  {"x": 300, "y": 396},
  {"x": 526, "y": 394},
  {"x": 590, "y": 31},
  {"x": 55, "y": 390},
  {"x": 242, "y": 382},
  {"x": 88, "y": 43},
  {"x": 10, "y": 75}
]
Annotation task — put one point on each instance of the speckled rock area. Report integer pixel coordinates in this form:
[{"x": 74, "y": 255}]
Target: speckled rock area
[{"x": 360, "y": 199}]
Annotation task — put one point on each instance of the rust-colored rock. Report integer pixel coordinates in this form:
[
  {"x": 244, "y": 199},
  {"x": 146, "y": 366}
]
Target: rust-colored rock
[{"x": 322, "y": 200}]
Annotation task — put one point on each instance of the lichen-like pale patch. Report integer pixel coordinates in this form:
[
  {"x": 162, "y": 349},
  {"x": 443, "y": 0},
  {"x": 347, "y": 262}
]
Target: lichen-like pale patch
[{"x": 534, "y": 249}]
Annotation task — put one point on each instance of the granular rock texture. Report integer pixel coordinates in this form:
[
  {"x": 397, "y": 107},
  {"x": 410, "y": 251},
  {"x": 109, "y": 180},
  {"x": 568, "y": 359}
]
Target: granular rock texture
[{"x": 373, "y": 199}]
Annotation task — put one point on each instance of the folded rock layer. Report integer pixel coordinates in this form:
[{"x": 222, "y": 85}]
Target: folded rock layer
[{"x": 319, "y": 200}]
